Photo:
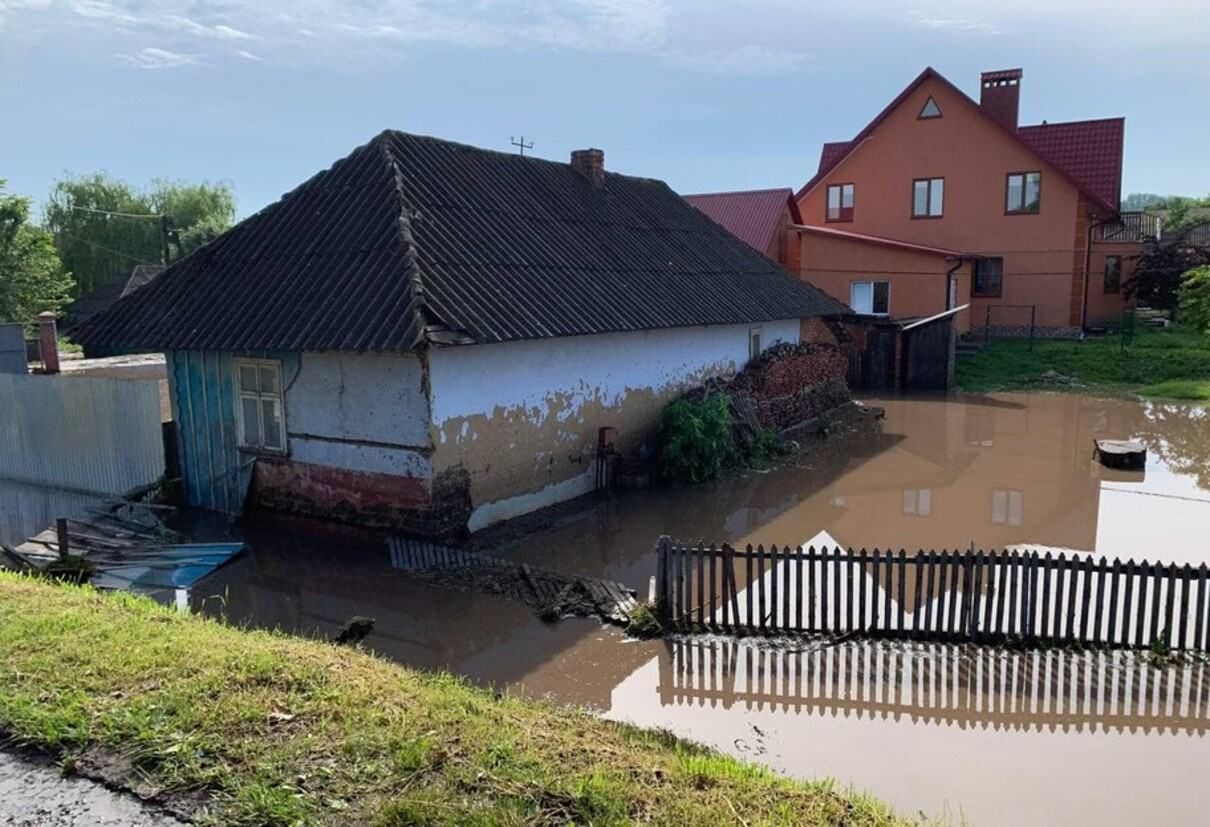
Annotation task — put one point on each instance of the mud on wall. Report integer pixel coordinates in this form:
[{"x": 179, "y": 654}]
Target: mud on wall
[{"x": 522, "y": 417}]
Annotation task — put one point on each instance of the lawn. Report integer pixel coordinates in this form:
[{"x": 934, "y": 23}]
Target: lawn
[
  {"x": 274, "y": 729},
  {"x": 1170, "y": 363}
]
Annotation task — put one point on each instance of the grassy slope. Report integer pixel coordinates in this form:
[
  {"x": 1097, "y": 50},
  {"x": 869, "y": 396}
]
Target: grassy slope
[
  {"x": 284, "y": 730},
  {"x": 1155, "y": 356}
]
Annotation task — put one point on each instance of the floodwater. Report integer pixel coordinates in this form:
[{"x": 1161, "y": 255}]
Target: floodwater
[{"x": 991, "y": 737}]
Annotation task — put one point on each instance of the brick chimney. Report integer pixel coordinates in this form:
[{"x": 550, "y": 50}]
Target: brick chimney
[
  {"x": 1000, "y": 96},
  {"x": 590, "y": 163}
]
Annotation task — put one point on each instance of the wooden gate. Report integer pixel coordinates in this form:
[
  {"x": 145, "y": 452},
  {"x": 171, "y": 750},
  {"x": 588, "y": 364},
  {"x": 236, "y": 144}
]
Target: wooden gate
[{"x": 927, "y": 355}]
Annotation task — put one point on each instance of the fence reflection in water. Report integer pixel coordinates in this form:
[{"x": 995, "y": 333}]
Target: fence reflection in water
[{"x": 940, "y": 683}]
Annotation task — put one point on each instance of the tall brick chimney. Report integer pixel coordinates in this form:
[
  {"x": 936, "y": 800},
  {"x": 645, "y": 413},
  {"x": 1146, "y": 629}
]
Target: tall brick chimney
[
  {"x": 1000, "y": 96},
  {"x": 590, "y": 163}
]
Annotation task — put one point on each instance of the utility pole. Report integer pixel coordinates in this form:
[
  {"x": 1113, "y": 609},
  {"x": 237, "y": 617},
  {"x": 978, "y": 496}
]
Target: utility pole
[{"x": 520, "y": 144}]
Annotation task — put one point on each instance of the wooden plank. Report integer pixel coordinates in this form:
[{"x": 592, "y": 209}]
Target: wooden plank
[
  {"x": 901, "y": 586},
  {"x": 679, "y": 569},
  {"x": 1140, "y": 619},
  {"x": 837, "y": 563},
  {"x": 810, "y": 607},
  {"x": 787, "y": 566},
  {"x": 772, "y": 555},
  {"x": 714, "y": 624},
  {"x": 1010, "y": 628},
  {"x": 799, "y": 597},
  {"x": 877, "y": 618},
  {"x": 1073, "y": 596},
  {"x": 731, "y": 564},
  {"x": 862, "y": 624},
  {"x": 823, "y": 588},
  {"x": 930, "y": 592},
  {"x": 661, "y": 578},
  {"x": 1128, "y": 603},
  {"x": 700, "y": 577},
  {"x": 1157, "y": 580},
  {"x": 761, "y": 596},
  {"x": 1199, "y": 630},
  {"x": 1169, "y": 605},
  {"x": 1114, "y": 590},
  {"x": 749, "y": 588},
  {"x": 1099, "y": 607},
  {"x": 956, "y": 595},
  {"x": 1086, "y": 598},
  {"x": 1031, "y": 595},
  {"x": 1182, "y": 641},
  {"x": 919, "y": 570},
  {"x": 975, "y": 582},
  {"x": 850, "y": 597}
]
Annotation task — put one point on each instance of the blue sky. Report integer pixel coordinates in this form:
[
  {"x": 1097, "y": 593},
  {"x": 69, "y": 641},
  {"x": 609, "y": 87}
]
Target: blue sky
[{"x": 707, "y": 95}]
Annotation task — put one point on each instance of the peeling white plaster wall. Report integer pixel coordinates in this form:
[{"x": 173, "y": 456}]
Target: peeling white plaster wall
[
  {"x": 535, "y": 380},
  {"x": 360, "y": 412}
]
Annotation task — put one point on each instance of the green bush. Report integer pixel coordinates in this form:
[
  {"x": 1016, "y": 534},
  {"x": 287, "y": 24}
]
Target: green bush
[
  {"x": 695, "y": 442},
  {"x": 1194, "y": 298}
]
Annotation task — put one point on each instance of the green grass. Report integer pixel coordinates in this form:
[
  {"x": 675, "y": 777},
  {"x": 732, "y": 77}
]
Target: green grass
[
  {"x": 282, "y": 730},
  {"x": 1197, "y": 390},
  {"x": 1096, "y": 365}
]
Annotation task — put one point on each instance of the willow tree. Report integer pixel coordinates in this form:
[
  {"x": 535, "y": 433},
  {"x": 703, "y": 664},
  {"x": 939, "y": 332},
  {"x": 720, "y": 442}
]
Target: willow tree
[
  {"x": 32, "y": 278},
  {"x": 103, "y": 226}
]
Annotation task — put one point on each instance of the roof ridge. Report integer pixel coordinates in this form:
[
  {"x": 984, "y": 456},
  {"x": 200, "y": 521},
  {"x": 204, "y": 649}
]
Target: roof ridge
[
  {"x": 418, "y": 305},
  {"x": 1119, "y": 118},
  {"x": 738, "y": 192}
]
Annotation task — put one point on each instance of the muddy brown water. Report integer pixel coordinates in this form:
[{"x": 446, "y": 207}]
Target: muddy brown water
[{"x": 992, "y": 737}]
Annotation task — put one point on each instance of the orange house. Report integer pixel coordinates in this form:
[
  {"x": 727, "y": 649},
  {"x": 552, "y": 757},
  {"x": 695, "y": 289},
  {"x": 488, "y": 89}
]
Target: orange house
[{"x": 941, "y": 201}]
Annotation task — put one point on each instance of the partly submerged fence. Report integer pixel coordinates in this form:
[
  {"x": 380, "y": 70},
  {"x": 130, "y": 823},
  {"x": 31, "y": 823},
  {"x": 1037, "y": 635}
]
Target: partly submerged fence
[
  {"x": 85, "y": 434},
  {"x": 948, "y": 595}
]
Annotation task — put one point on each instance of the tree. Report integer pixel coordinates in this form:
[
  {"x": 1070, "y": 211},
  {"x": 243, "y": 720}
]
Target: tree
[
  {"x": 103, "y": 226},
  {"x": 1158, "y": 271},
  {"x": 1182, "y": 213},
  {"x": 1194, "y": 298},
  {"x": 31, "y": 276}
]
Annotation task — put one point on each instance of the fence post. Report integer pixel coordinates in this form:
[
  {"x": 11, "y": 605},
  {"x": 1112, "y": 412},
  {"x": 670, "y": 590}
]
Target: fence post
[
  {"x": 61, "y": 534},
  {"x": 661, "y": 577}
]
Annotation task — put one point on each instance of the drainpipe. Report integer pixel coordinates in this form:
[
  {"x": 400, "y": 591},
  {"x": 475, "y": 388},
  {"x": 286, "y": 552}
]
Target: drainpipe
[
  {"x": 949, "y": 275},
  {"x": 1092, "y": 225}
]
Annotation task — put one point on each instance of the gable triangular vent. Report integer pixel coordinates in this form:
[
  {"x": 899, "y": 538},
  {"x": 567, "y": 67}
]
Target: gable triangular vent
[{"x": 931, "y": 109}]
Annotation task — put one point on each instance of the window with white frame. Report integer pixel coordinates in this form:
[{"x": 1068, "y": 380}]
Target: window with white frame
[
  {"x": 918, "y": 501},
  {"x": 260, "y": 413},
  {"x": 871, "y": 298},
  {"x": 1008, "y": 506},
  {"x": 754, "y": 343}
]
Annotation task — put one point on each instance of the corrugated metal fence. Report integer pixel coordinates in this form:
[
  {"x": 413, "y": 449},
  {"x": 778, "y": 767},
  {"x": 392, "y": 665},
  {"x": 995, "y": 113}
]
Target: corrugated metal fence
[
  {"x": 12, "y": 348},
  {"x": 97, "y": 436}
]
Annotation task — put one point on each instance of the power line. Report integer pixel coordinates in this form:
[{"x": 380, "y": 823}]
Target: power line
[{"x": 116, "y": 213}]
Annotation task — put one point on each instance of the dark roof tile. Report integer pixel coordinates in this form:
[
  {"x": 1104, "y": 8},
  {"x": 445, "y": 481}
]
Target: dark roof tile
[{"x": 411, "y": 239}]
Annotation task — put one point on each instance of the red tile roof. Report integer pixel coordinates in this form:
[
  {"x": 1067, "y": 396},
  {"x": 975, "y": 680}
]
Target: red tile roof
[
  {"x": 752, "y": 216},
  {"x": 1087, "y": 153}
]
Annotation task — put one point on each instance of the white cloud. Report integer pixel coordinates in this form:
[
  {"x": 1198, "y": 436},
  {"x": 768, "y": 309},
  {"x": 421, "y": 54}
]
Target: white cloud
[
  {"x": 960, "y": 25},
  {"x": 153, "y": 57},
  {"x": 231, "y": 33},
  {"x": 744, "y": 60},
  {"x": 246, "y": 55}
]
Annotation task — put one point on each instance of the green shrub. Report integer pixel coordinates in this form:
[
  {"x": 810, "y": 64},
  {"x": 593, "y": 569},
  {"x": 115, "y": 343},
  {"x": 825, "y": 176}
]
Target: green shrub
[
  {"x": 695, "y": 442},
  {"x": 1194, "y": 299}
]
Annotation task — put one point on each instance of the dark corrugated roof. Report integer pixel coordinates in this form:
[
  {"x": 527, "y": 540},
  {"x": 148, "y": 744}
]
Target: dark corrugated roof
[
  {"x": 1086, "y": 153},
  {"x": 752, "y": 216},
  {"x": 412, "y": 239},
  {"x": 103, "y": 297}
]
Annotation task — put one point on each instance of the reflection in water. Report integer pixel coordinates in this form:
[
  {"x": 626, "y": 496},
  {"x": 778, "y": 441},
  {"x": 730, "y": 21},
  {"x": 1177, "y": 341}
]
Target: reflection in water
[
  {"x": 942, "y": 684},
  {"x": 1008, "y": 470}
]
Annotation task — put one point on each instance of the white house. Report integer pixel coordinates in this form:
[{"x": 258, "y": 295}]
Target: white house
[{"x": 429, "y": 336}]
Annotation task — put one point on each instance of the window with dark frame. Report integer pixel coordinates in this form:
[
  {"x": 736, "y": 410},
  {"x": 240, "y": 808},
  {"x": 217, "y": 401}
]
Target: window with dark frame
[
  {"x": 840, "y": 202},
  {"x": 1023, "y": 193},
  {"x": 989, "y": 277},
  {"x": 929, "y": 110},
  {"x": 870, "y": 298},
  {"x": 754, "y": 348},
  {"x": 1113, "y": 274},
  {"x": 928, "y": 197}
]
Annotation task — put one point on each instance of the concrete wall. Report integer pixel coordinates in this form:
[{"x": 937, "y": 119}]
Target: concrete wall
[
  {"x": 521, "y": 418},
  {"x": 1043, "y": 253}
]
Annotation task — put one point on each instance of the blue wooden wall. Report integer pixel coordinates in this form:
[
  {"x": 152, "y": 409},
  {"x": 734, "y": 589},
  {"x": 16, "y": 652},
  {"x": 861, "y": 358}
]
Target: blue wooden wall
[{"x": 215, "y": 472}]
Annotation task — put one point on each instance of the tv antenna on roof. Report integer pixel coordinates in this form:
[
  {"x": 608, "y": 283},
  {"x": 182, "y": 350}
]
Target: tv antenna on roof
[{"x": 520, "y": 144}]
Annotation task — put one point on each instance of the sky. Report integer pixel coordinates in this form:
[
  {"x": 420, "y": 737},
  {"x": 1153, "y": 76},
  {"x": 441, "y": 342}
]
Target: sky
[{"x": 707, "y": 95}]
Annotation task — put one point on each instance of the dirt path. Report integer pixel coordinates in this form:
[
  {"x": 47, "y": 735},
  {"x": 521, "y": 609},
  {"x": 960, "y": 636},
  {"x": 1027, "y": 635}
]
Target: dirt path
[{"x": 36, "y": 794}]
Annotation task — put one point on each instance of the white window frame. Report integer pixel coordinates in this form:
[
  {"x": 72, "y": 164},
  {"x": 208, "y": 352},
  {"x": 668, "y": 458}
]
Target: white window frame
[
  {"x": 871, "y": 282},
  {"x": 754, "y": 343},
  {"x": 279, "y": 397}
]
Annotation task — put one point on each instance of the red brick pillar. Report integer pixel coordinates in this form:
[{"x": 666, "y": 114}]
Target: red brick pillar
[{"x": 49, "y": 335}]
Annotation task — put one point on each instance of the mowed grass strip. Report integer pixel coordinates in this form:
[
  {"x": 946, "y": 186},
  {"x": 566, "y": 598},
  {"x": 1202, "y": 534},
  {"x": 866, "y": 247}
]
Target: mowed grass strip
[
  {"x": 282, "y": 730},
  {"x": 1099, "y": 364}
]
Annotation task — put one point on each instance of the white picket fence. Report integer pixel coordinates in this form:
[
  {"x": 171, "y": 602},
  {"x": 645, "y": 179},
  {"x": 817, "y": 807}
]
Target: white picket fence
[{"x": 91, "y": 435}]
